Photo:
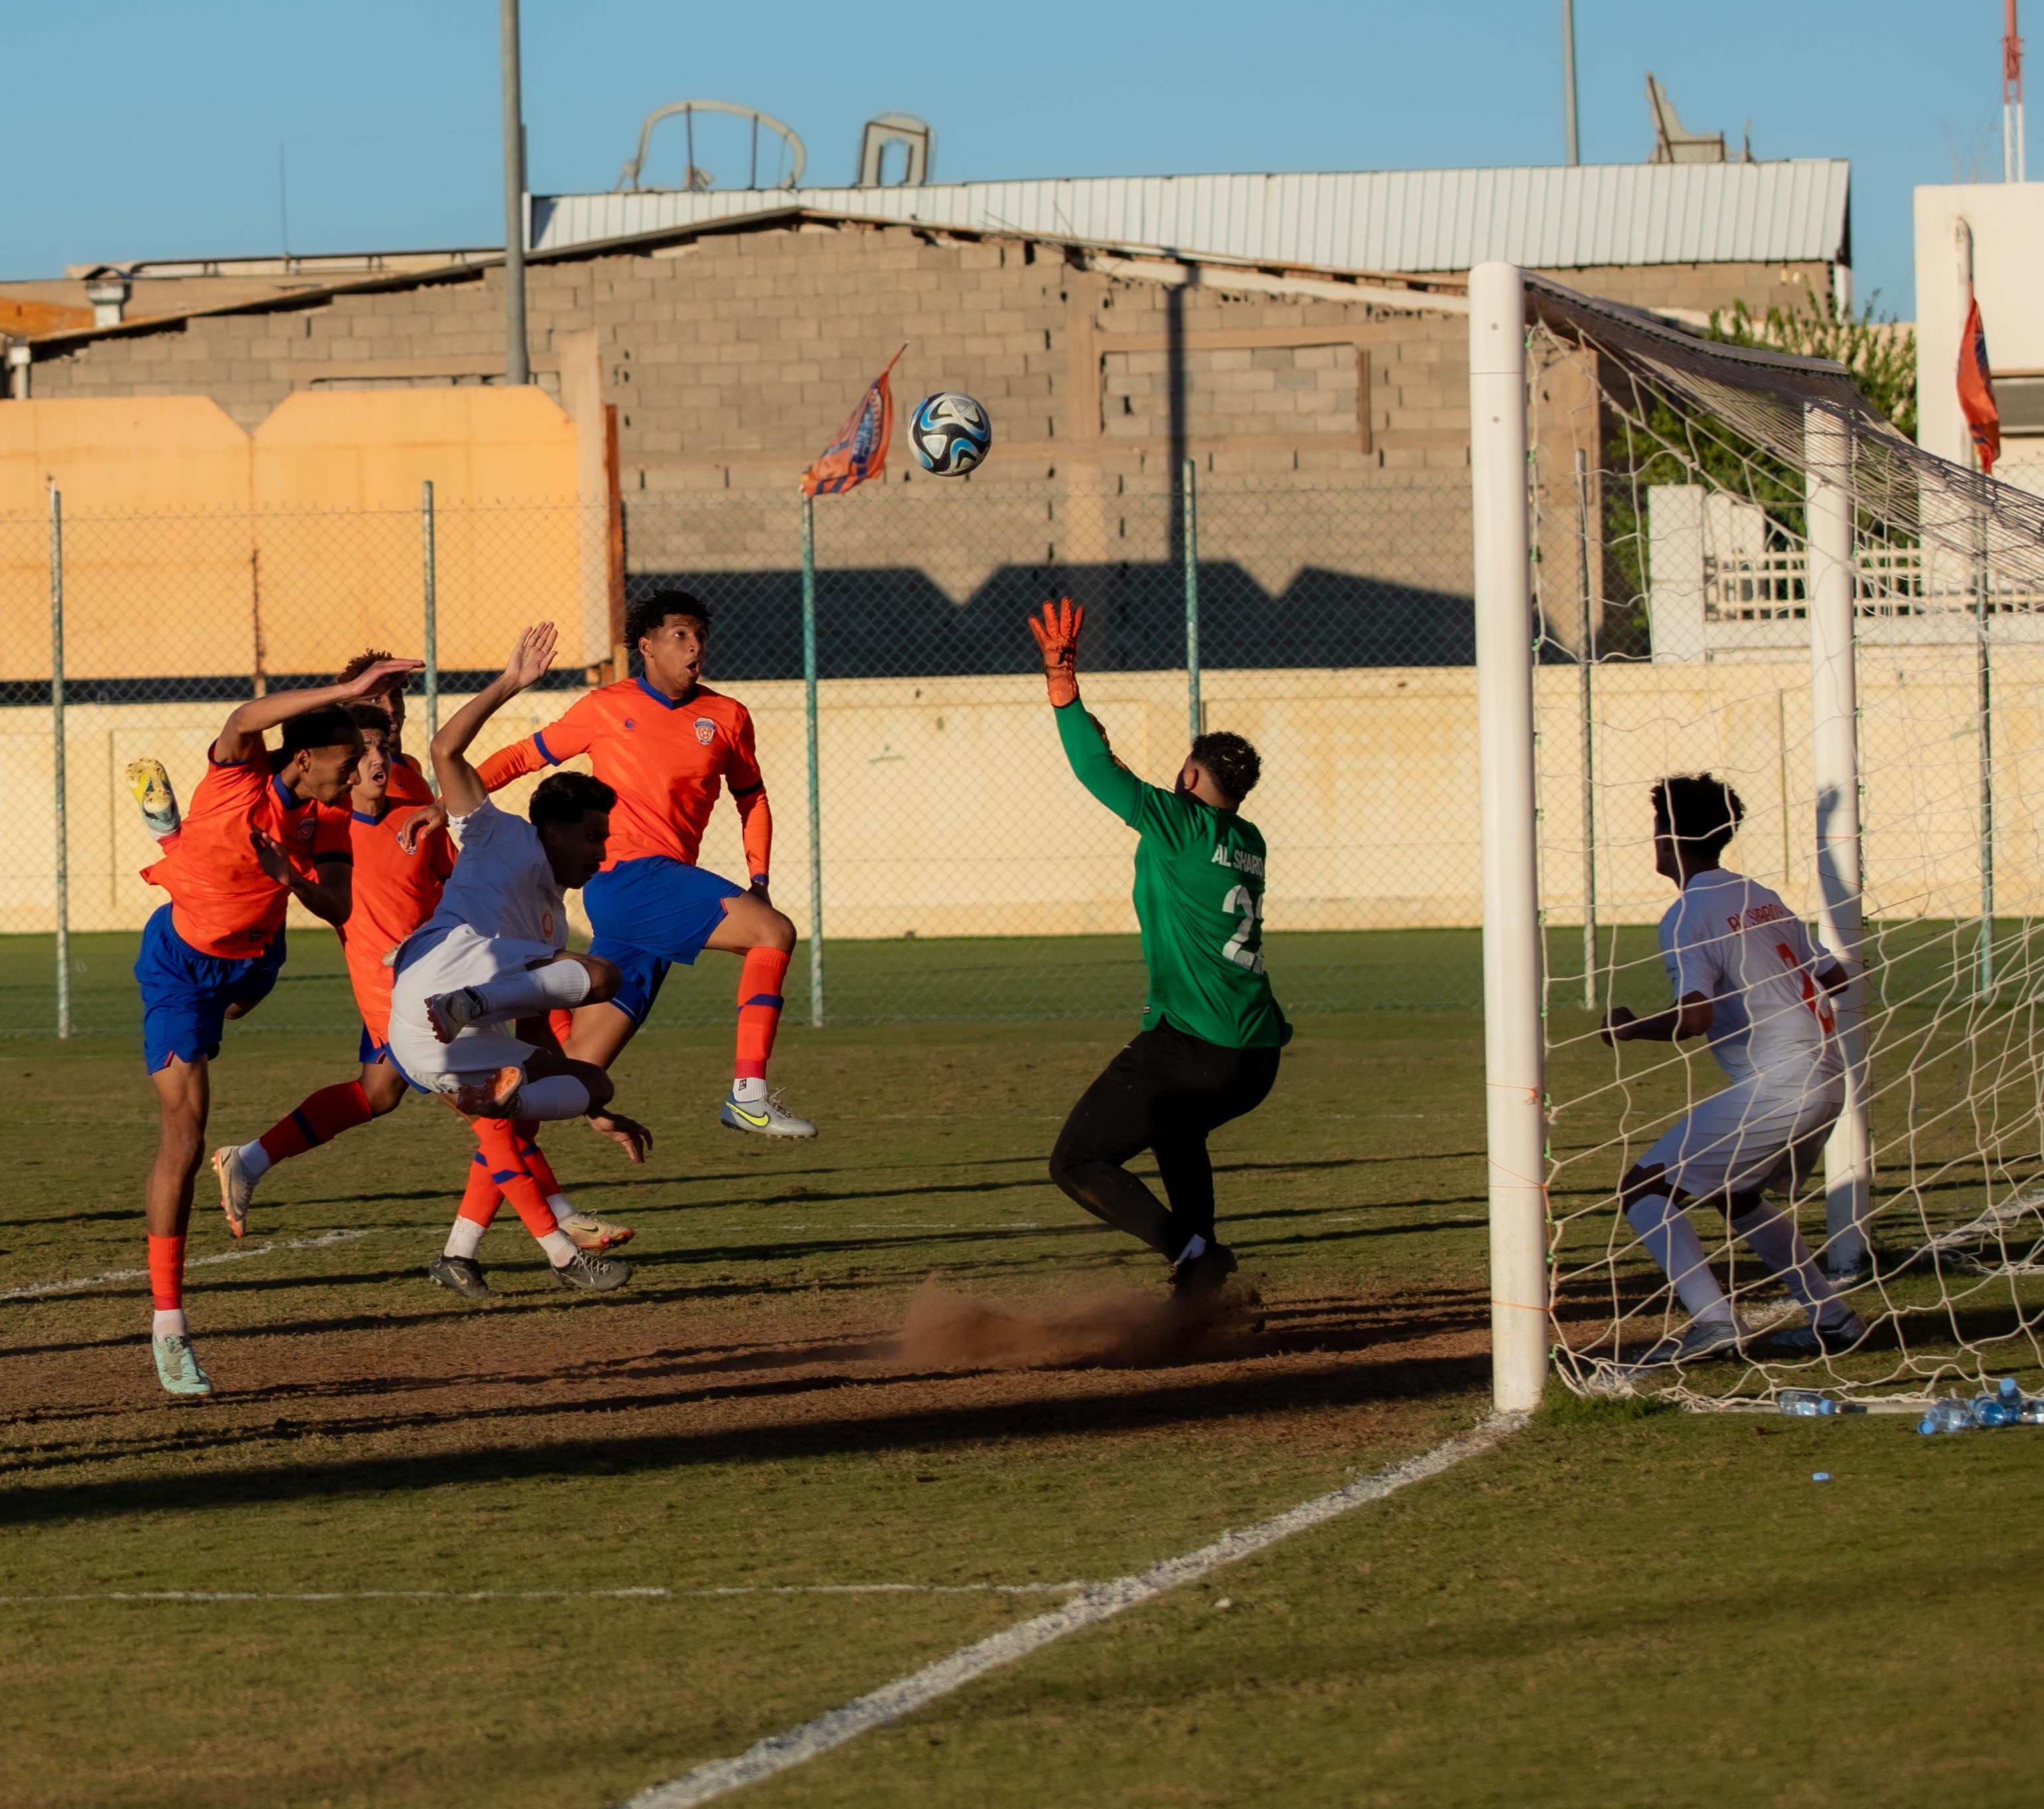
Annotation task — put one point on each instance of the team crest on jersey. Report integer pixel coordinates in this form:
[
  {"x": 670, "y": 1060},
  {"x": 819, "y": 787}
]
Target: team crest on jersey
[
  {"x": 705, "y": 730},
  {"x": 547, "y": 925},
  {"x": 305, "y": 830}
]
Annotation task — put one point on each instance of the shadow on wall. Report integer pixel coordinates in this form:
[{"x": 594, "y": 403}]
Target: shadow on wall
[{"x": 881, "y": 623}]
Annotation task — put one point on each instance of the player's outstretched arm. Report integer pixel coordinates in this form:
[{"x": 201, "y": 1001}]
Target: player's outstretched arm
[
  {"x": 1093, "y": 761},
  {"x": 242, "y": 734},
  {"x": 462, "y": 789},
  {"x": 1692, "y": 1017}
]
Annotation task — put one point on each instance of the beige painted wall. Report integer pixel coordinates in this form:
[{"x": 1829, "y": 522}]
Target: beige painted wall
[{"x": 948, "y": 810}]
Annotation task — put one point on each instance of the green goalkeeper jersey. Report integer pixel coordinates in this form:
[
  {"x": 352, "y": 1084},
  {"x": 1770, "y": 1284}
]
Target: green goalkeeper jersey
[{"x": 1199, "y": 899}]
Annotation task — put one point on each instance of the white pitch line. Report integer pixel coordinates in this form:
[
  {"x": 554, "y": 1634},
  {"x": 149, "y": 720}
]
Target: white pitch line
[
  {"x": 639, "y": 1594},
  {"x": 83, "y": 1281},
  {"x": 1097, "y": 1603}
]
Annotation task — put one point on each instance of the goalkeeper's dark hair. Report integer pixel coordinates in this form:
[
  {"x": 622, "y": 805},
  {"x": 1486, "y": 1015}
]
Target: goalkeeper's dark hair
[
  {"x": 329, "y": 726},
  {"x": 647, "y": 615},
  {"x": 1230, "y": 762},
  {"x": 567, "y": 798},
  {"x": 361, "y": 664},
  {"x": 1699, "y": 809},
  {"x": 369, "y": 715}
]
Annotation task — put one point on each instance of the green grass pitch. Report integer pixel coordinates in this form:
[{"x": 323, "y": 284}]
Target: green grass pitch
[{"x": 1612, "y": 1607}]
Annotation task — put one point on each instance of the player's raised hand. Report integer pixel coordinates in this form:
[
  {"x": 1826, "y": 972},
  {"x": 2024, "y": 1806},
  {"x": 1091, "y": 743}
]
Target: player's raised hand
[
  {"x": 1057, "y": 636},
  {"x": 531, "y": 656},
  {"x": 384, "y": 676},
  {"x": 627, "y": 1134}
]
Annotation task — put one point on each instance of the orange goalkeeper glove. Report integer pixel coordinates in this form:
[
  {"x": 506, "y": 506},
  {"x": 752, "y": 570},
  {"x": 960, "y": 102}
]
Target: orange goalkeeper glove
[{"x": 1058, "y": 635}]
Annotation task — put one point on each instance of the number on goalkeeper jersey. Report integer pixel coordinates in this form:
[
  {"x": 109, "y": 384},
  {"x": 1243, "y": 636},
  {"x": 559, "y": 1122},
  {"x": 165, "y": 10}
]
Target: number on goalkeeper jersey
[{"x": 1241, "y": 899}]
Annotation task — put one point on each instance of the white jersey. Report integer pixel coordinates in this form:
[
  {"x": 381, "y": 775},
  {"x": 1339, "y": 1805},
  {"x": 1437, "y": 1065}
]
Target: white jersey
[
  {"x": 502, "y": 885},
  {"x": 1733, "y": 940}
]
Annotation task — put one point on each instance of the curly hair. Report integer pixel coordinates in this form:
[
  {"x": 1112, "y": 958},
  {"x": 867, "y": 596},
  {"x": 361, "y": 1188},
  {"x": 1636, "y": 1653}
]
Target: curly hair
[
  {"x": 1230, "y": 762},
  {"x": 646, "y": 614},
  {"x": 1699, "y": 809}
]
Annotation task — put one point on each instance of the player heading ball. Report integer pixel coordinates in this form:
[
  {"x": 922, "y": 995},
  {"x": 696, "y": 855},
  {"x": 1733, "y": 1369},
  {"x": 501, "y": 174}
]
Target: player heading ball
[{"x": 1208, "y": 1051}]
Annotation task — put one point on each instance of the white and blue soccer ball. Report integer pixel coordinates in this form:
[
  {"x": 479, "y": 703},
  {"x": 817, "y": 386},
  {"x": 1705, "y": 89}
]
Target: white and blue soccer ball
[{"x": 951, "y": 433}]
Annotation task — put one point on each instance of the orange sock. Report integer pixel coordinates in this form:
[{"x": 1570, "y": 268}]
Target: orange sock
[
  {"x": 167, "y": 1273},
  {"x": 760, "y": 1003},
  {"x": 536, "y": 1165},
  {"x": 483, "y": 1194},
  {"x": 319, "y": 1118},
  {"x": 508, "y": 1170},
  {"x": 563, "y": 1024}
]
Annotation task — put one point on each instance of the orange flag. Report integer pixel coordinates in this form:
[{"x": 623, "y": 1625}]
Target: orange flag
[
  {"x": 860, "y": 451},
  {"x": 1976, "y": 390}
]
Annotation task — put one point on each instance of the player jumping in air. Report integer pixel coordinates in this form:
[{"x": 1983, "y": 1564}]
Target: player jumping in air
[
  {"x": 1748, "y": 976},
  {"x": 402, "y": 858},
  {"x": 262, "y": 830},
  {"x": 1209, "y": 1048},
  {"x": 668, "y": 744},
  {"x": 474, "y": 987}
]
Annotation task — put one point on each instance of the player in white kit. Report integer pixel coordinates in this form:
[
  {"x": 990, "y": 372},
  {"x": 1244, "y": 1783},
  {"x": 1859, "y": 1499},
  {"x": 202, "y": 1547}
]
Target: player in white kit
[
  {"x": 475, "y": 984},
  {"x": 1748, "y": 976}
]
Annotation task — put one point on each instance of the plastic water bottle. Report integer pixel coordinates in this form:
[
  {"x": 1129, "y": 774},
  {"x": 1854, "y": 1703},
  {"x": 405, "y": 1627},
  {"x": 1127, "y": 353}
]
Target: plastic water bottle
[
  {"x": 1805, "y": 1403},
  {"x": 2032, "y": 1410},
  {"x": 2010, "y": 1396},
  {"x": 1945, "y": 1416},
  {"x": 1989, "y": 1410}
]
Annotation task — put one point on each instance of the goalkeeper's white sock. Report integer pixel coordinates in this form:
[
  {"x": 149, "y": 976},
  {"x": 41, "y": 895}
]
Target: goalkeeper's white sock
[
  {"x": 1671, "y": 1240},
  {"x": 1772, "y": 1235},
  {"x": 556, "y": 985}
]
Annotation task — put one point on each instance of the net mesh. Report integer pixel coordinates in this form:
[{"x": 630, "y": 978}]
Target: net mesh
[{"x": 1672, "y": 584}]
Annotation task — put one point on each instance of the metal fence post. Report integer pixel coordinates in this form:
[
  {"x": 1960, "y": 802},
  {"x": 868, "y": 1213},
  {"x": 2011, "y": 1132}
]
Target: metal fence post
[
  {"x": 1585, "y": 659},
  {"x": 1984, "y": 682},
  {"x": 57, "y": 734},
  {"x": 432, "y": 626},
  {"x": 1190, "y": 517},
  {"x": 816, "y": 805}
]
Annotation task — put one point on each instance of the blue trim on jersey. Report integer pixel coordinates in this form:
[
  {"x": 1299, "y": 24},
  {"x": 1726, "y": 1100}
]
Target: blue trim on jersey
[
  {"x": 659, "y": 696},
  {"x": 284, "y": 794},
  {"x": 369, "y": 1051},
  {"x": 546, "y": 753}
]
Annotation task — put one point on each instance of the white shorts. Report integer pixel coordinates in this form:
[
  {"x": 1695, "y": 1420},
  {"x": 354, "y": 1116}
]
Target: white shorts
[
  {"x": 463, "y": 957},
  {"x": 1759, "y": 1134}
]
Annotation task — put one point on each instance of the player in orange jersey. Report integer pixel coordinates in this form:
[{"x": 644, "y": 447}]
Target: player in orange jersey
[
  {"x": 402, "y": 858},
  {"x": 667, "y": 745},
  {"x": 262, "y": 829}
]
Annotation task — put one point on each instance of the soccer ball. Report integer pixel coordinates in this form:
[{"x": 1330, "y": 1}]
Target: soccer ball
[{"x": 951, "y": 433}]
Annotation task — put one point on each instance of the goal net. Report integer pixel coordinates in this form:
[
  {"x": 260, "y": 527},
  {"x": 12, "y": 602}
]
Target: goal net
[{"x": 1736, "y": 567}]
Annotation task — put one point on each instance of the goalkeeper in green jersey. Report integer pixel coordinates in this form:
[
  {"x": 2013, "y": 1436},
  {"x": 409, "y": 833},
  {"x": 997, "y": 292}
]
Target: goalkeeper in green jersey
[{"x": 1207, "y": 1049}]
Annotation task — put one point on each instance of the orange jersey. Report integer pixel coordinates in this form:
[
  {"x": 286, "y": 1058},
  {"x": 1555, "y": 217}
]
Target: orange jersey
[
  {"x": 408, "y": 785},
  {"x": 394, "y": 893},
  {"x": 667, "y": 760},
  {"x": 222, "y": 903}
]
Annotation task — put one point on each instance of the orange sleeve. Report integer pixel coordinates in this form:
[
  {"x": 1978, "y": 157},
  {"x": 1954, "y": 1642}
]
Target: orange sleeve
[
  {"x": 748, "y": 792},
  {"x": 549, "y": 747},
  {"x": 332, "y": 838}
]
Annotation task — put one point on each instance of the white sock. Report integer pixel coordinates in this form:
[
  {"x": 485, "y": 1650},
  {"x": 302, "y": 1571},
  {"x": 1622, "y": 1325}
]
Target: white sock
[
  {"x": 563, "y": 1207},
  {"x": 558, "y": 1095},
  {"x": 465, "y": 1239},
  {"x": 1196, "y": 1246},
  {"x": 1671, "y": 1240},
  {"x": 750, "y": 1090},
  {"x": 169, "y": 1324},
  {"x": 1773, "y": 1235},
  {"x": 554, "y": 985},
  {"x": 560, "y": 1248},
  {"x": 254, "y": 1158}
]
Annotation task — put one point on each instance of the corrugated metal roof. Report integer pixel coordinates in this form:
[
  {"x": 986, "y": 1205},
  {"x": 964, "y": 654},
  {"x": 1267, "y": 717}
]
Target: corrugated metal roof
[{"x": 1389, "y": 220}]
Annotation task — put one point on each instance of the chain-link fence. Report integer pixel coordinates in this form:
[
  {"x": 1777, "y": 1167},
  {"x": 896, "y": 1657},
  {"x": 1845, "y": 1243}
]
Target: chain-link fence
[{"x": 936, "y": 855}]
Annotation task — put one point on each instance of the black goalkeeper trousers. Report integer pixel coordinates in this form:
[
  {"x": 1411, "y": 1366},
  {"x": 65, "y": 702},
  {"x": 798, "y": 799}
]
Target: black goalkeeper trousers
[{"x": 1166, "y": 1092}]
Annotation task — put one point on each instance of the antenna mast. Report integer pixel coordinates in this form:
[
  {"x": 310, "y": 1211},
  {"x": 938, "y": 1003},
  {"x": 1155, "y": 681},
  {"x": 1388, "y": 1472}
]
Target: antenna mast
[{"x": 2011, "y": 100}]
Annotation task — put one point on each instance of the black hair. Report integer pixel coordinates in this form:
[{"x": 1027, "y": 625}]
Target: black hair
[
  {"x": 330, "y": 726},
  {"x": 567, "y": 798},
  {"x": 369, "y": 715},
  {"x": 1699, "y": 809},
  {"x": 646, "y": 614},
  {"x": 361, "y": 664},
  {"x": 1230, "y": 762}
]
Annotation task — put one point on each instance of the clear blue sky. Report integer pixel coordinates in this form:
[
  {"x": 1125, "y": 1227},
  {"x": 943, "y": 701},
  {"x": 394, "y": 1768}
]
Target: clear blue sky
[{"x": 137, "y": 128}]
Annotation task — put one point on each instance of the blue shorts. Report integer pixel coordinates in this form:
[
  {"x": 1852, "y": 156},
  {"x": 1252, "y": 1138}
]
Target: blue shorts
[
  {"x": 185, "y": 994},
  {"x": 648, "y": 914},
  {"x": 371, "y": 1051}
]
